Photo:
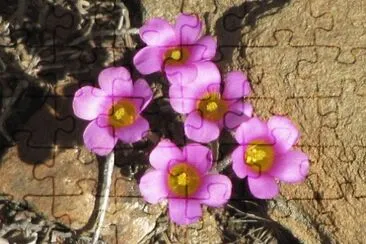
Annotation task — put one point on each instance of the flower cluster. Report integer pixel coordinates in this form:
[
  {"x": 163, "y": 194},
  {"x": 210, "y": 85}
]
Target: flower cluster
[{"x": 185, "y": 177}]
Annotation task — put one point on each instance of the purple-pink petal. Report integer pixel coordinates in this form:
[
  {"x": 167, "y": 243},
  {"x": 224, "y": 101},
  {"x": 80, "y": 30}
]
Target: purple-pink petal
[
  {"x": 291, "y": 167},
  {"x": 99, "y": 140},
  {"x": 184, "y": 211},
  {"x": 153, "y": 187},
  {"x": 263, "y": 187},
  {"x": 199, "y": 156},
  {"x": 284, "y": 132},
  {"x": 251, "y": 130},
  {"x": 208, "y": 73},
  {"x": 197, "y": 73},
  {"x": 149, "y": 60},
  {"x": 203, "y": 49},
  {"x": 181, "y": 74},
  {"x": 89, "y": 102},
  {"x": 116, "y": 81},
  {"x": 143, "y": 92},
  {"x": 157, "y": 32},
  {"x": 236, "y": 86},
  {"x": 164, "y": 154},
  {"x": 215, "y": 190},
  {"x": 237, "y": 114},
  {"x": 182, "y": 99},
  {"x": 237, "y": 158},
  {"x": 134, "y": 132},
  {"x": 200, "y": 130},
  {"x": 187, "y": 28}
]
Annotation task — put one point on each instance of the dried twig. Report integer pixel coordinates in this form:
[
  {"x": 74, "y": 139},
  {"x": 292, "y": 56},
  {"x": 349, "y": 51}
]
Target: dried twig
[{"x": 103, "y": 199}]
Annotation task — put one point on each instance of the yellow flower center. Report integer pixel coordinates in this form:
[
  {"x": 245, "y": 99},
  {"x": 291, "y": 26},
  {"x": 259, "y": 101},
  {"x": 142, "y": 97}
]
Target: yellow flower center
[
  {"x": 212, "y": 106},
  {"x": 123, "y": 113},
  {"x": 259, "y": 156},
  {"x": 183, "y": 180},
  {"x": 176, "y": 56}
]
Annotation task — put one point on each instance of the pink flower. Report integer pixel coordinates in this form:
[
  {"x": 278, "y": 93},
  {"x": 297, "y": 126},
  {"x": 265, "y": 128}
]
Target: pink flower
[
  {"x": 208, "y": 109},
  {"x": 181, "y": 177},
  {"x": 114, "y": 110},
  {"x": 178, "y": 50},
  {"x": 266, "y": 153}
]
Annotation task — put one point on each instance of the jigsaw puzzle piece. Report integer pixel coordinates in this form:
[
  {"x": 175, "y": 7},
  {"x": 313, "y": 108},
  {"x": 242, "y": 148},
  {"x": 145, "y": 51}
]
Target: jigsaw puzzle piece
[
  {"x": 351, "y": 115},
  {"x": 252, "y": 19},
  {"x": 132, "y": 222},
  {"x": 348, "y": 27},
  {"x": 127, "y": 213},
  {"x": 10, "y": 167},
  {"x": 273, "y": 76},
  {"x": 67, "y": 168},
  {"x": 356, "y": 173},
  {"x": 61, "y": 23},
  {"x": 80, "y": 63},
  {"x": 308, "y": 120},
  {"x": 66, "y": 207},
  {"x": 31, "y": 135}
]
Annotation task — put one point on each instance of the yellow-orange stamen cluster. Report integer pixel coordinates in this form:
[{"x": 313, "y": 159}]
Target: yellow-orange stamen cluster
[
  {"x": 122, "y": 114},
  {"x": 183, "y": 179},
  {"x": 176, "y": 56},
  {"x": 259, "y": 156},
  {"x": 212, "y": 106}
]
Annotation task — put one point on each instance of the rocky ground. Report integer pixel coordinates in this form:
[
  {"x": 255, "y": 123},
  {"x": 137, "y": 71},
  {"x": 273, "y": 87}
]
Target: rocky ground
[{"x": 305, "y": 60}]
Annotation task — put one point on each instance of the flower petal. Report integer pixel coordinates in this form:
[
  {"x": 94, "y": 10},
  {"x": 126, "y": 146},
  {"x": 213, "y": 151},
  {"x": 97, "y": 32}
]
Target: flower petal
[
  {"x": 165, "y": 153},
  {"x": 134, "y": 132},
  {"x": 153, "y": 186},
  {"x": 184, "y": 211},
  {"x": 116, "y": 81},
  {"x": 182, "y": 99},
  {"x": 208, "y": 73},
  {"x": 237, "y": 114},
  {"x": 149, "y": 60},
  {"x": 99, "y": 140},
  {"x": 157, "y": 32},
  {"x": 182, "y": 74},
  {"x": 200, "y": 130},
  {"x": 215, "y": 191},
  {"x": 263, "y": 187},
  {"x": 188, "y": 28},
  {"x": 250, "y": 130},
  {"x": 236, "y": 86},
  {"x": 199, "y": 156},
  {"x": 203, "y": 49},
  {"x": 291, "y": 167},
  {"x": 239, "y": 167},
  {"x": 284, "y": 132},
  {"x": 194, "y": 73},
  {"x": 89, "y": 102},
  {"x": 142, "y": 90}
]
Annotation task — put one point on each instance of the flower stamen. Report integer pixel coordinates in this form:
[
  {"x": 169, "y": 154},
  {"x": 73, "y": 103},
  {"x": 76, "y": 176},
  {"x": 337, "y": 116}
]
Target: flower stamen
[
  {"x": 176, "y": 56},
  {"x": 183, "y": 180},
  {"x": 212, "y": 106},
  {"x": 259, "y": 156},
  {"x": 122, "y": 114}
]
